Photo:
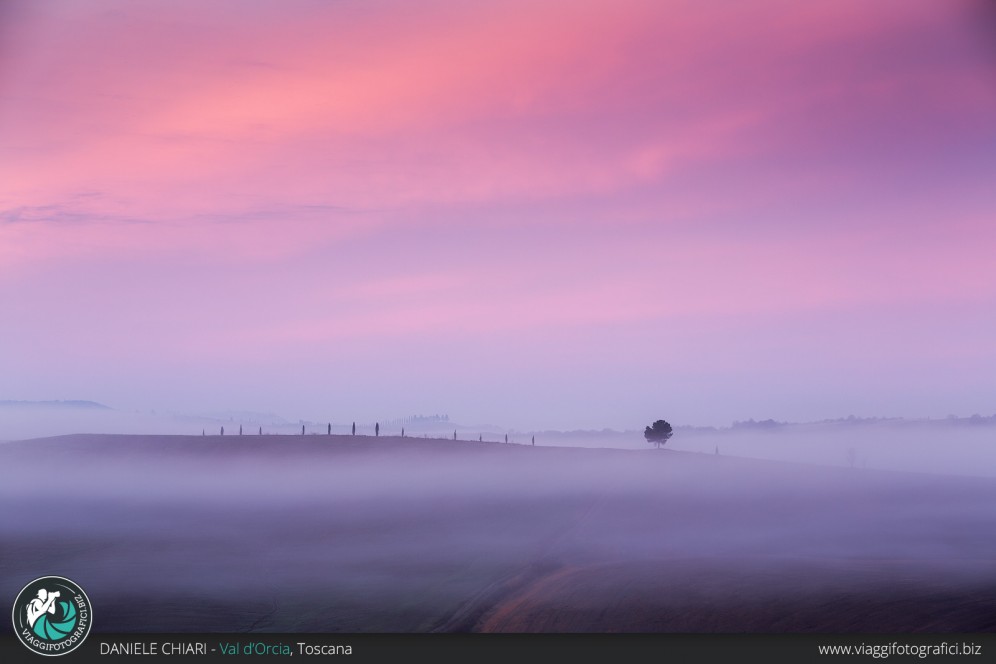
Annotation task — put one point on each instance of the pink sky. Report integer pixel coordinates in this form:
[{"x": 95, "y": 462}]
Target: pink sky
[{"x": 535, "y": 214}]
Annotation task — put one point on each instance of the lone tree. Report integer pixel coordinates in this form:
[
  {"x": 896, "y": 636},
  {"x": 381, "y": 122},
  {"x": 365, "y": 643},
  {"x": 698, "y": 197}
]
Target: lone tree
[{"x": 659, "y": 433}]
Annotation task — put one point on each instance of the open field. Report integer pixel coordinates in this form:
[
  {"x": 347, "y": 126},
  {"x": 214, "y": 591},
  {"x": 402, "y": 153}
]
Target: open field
[{"x": 340, "y": 533}]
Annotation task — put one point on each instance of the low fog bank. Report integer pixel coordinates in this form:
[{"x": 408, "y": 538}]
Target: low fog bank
[
  {"x": 937, "y": 446},
  {"x": 343, "y": 533},
  {"x": 953, "y": 446}
]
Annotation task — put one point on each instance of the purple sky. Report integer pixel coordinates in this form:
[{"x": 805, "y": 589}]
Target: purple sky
[{"x": 534, "y": 214}]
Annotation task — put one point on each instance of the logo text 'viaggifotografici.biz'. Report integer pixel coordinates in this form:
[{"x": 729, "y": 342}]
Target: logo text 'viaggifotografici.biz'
[{"x": 52, "y": 615}]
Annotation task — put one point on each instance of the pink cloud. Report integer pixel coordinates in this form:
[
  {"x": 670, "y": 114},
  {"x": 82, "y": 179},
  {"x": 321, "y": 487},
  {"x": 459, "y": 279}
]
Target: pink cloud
[
  {"x": 343, "y": 176},
  {"x": 471, "y": 106}
]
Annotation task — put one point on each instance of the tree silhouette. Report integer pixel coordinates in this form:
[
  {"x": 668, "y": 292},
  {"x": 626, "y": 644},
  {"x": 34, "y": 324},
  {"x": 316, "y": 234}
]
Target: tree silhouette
[
  {"x": 659, "y": 433},
  {"x": 377, "y": 428},
  {"x": 354, "y": 428},
  {"x": 240, "y": 429},
  {"x": 302, "y": 429},
  {"x": 261, "y": 431},
  {"x": 222, "y": 431},
  {"x": 330, "y": 428}
]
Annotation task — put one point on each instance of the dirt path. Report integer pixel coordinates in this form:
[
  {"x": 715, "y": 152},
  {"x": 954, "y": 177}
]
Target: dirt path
[{"x": 475, "y": 614}]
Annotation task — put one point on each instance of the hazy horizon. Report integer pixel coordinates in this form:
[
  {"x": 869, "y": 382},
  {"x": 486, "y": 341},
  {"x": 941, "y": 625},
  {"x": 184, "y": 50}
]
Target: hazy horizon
[
  {"x": 550, "y": 215},
  {"x": 36, "y": 414}
]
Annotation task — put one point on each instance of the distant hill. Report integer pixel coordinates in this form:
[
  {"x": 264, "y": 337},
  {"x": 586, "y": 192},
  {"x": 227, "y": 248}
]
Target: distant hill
[{"x": 54, "y": 404}]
